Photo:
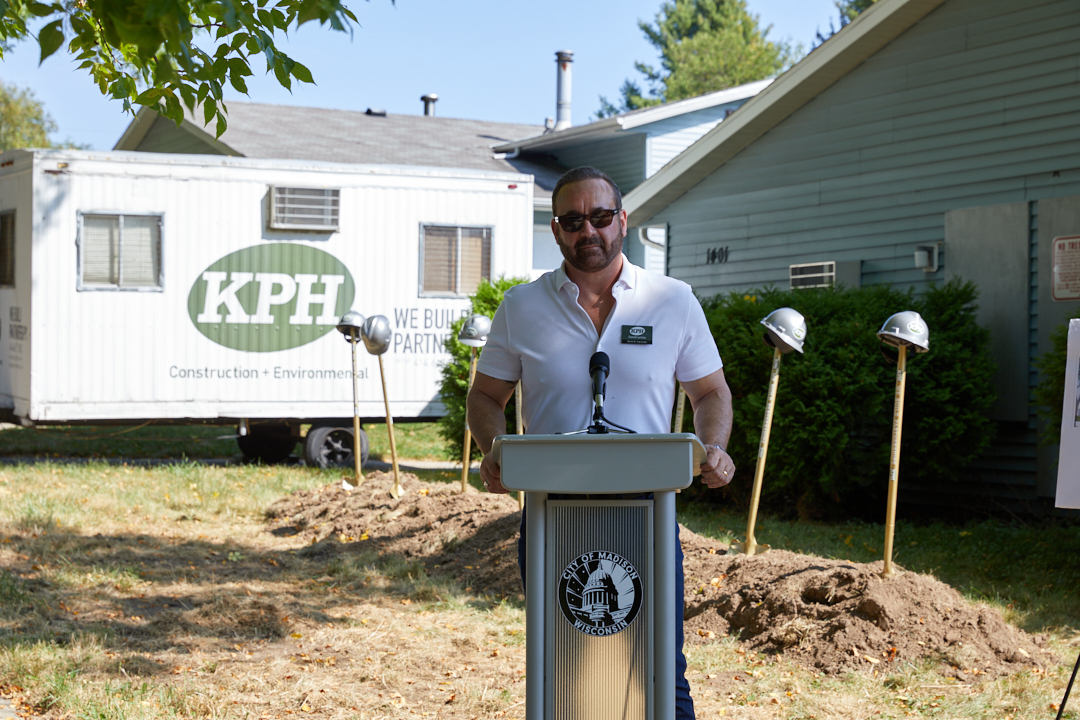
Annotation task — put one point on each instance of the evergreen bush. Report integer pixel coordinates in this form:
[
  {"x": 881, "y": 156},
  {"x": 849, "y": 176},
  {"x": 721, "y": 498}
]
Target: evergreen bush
[
  {"x": 454, "y": 386},
  {"x": 1050, "y": 392},
  {"x": 831, "y": 432}
]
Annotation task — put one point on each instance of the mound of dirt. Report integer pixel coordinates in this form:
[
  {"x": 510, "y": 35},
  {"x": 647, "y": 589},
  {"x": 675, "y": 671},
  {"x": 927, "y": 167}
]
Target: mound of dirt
[
  {"x": 831, "y": 615},
  {"x": 471, "y": 536},
  {"x": 840, "y": 616}
]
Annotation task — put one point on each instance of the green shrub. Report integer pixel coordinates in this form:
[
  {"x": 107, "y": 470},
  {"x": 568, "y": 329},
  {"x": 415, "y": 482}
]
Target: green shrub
[
  {"x": 455, "y": 374},
  {"x": 831, "y": 432},
  {"x": 1050, "y": 392}
]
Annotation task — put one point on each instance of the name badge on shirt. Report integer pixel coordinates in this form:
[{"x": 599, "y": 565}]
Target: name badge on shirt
[{"x": 637, "y": 334}]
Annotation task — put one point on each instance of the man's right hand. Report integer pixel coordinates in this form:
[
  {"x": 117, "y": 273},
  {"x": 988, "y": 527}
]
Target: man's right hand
[{"x": 491, "y": 474}]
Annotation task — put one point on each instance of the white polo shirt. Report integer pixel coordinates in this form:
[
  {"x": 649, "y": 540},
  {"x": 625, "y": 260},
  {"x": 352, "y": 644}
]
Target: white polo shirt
[{"x": 656, "y": 333}]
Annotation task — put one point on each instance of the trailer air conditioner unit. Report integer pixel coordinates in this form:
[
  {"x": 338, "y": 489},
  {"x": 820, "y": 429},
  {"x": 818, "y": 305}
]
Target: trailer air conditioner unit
[{"x": 304, "y": 208}]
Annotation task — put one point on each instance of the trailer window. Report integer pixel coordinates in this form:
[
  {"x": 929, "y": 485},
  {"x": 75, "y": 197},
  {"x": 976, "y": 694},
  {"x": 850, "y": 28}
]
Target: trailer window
[
  {"x": 453, "y": 259},
  {"x": 7, "y": 248},
  {"x": 120, "y": 252}
]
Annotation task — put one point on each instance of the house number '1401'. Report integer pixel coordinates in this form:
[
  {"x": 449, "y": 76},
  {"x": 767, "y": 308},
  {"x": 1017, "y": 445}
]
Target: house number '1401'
[{"x": 716, "y": 255}]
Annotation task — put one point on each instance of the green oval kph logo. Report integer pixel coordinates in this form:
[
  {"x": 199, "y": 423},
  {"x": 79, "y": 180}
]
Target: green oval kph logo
[{"x": 271, "y": 297}]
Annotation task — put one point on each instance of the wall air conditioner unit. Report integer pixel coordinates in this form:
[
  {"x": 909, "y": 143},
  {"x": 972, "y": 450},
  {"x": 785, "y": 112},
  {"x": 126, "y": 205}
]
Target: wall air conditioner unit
[
  {"x": 304, "y": 208},
  {"x": 812, "y": 275}
]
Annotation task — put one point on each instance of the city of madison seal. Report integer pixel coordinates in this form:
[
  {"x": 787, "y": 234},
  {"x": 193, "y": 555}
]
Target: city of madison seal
[{"x": 600, "y": 593}]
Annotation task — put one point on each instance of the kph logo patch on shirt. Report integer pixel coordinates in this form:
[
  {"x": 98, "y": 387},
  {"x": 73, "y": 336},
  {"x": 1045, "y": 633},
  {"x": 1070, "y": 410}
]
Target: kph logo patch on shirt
[{"x": 637, "y": 334}]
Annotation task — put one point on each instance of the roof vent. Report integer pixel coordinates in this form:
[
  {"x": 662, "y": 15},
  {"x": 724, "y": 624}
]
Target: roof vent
[
  {"x": 429, "y": 104},
  {"x": 377, "y": 112}
]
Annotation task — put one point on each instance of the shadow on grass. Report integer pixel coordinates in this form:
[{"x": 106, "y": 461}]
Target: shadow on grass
[{"x": 138, "y": 593}]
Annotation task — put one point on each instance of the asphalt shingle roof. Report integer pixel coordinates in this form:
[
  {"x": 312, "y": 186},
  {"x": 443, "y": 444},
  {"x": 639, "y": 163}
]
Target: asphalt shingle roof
[{"x": 289, "y": 132}]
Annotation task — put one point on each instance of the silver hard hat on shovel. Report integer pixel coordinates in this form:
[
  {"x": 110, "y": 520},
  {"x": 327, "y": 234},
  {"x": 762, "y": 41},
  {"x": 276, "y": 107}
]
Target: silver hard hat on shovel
[
  {"x": 785, "y": 330},
  {"x": 475, "y": 331},
  {"x": 377, "y": 334},
  {"x": 350, "y": 321},
  {"x": 906, "y": 329}
]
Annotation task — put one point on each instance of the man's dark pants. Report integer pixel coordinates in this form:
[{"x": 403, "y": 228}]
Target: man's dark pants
[{"x": 684, "y": 704}]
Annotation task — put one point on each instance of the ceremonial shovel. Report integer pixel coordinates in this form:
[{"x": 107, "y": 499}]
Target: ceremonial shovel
[
  {"x": 473, "y": 334},
  {"x": 350, "y": 325},
  {"x": 520, "y": 431},
  {"x": 904, "y": 329},
  {"x": 785, "y": 330},
  {"x": 680, "y": 407},
  {"x": 377, "y": 335}
]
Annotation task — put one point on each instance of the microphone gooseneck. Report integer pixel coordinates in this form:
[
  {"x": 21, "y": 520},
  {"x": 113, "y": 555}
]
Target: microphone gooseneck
[{"x": 599, "y": 368}]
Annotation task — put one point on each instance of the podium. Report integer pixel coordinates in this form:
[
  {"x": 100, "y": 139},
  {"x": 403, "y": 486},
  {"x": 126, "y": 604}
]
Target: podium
[{"x": 600, "y": 569}]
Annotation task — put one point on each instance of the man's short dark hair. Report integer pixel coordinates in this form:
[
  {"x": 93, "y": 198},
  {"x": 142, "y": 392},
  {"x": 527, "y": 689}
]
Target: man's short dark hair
[{"x": 585, "y": 172}]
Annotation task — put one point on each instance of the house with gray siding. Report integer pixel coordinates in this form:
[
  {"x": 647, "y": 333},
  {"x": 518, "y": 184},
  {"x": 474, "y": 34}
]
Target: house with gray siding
[
  {"x": 630, "y": 148},
  {"x": 927, "y": 139}
]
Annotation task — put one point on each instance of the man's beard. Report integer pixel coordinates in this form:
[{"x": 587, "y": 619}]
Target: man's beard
[{"x": 591, "y": 255}]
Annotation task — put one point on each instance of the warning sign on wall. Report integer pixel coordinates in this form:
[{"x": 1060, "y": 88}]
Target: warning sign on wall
[{"x": 1066, "y": 263}]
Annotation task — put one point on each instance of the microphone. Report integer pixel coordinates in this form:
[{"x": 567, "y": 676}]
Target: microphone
[{"x": 599, "y": 367}]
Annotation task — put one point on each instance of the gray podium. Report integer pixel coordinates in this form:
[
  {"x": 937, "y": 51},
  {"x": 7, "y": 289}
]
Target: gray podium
[{"x": 600, "y": 602}]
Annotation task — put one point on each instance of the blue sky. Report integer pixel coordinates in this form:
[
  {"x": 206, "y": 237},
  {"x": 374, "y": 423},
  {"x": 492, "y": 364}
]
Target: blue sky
[{"x": 486, "y": 59}]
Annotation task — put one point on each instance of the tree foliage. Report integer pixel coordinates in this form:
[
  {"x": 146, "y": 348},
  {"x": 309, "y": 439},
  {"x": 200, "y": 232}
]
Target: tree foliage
[
  {"x": 848, "y": 10},
  {"x": 831, "y": 432},
  {"x": 705, "y": 46},
  {"x": 455, "y": 374},
  {"x": 168, "y": 54},
  {"x": 24, "y": 122}
]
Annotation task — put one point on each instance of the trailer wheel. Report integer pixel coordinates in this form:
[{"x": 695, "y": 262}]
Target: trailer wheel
[
  {"x": 330, "y": 446},
  {"x": 268, "y": 444}
]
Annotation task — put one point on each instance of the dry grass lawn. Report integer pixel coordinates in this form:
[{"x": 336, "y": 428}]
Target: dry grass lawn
[{"x": 158, "y": 593}]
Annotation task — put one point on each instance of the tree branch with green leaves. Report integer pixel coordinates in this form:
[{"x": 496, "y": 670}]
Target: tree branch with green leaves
[{"x": 171, "y": 54}]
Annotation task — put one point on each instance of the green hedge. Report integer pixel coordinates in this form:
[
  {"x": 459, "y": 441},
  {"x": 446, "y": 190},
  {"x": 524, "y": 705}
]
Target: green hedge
[
  {"x": 1050, "y": 392},
  {"x": 829, "y": 448},
  {"x": 455, "y": 374}
]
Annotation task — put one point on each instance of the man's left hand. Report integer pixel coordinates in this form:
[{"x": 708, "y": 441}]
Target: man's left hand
[{"x": 718, "y": 468}]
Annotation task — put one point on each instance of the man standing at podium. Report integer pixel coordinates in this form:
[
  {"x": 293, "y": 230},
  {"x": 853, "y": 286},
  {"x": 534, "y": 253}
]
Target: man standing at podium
[{"x": 651, "y": 326}]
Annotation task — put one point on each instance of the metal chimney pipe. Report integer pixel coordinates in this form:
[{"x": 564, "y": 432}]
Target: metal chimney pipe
[
  {"x": 429, "y": 104},
  {"x": 563, "y": 59}
]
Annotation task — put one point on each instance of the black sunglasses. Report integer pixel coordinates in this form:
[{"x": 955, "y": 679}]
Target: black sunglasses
[{"x": 597, "y": 218}]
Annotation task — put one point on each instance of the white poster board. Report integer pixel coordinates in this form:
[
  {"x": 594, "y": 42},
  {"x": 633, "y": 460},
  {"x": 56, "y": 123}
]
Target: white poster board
[{"x": 1068, "y": 479}]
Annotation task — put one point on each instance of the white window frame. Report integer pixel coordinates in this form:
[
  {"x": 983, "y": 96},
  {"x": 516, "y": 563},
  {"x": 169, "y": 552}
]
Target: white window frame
[
  {"x": 330, "y": 192},
  {"x": 99, "y": 287},
  {"x": 12, "y": 248},
  {"x": 827, "y": 275},
  {"x": 457, "y": 280}
]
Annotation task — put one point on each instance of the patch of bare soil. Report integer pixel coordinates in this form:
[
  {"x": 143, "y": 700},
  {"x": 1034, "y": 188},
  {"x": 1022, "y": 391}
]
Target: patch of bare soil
[
  {"x": 470, "y": 536},
  {"x": 829, "y": 615}
]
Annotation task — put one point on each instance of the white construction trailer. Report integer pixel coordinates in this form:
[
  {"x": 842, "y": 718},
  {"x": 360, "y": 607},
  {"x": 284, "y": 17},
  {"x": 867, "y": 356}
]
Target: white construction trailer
[{"x": 206, "y": 289}]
